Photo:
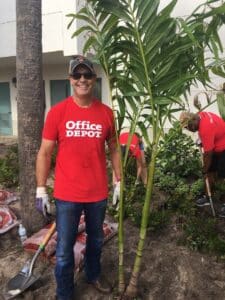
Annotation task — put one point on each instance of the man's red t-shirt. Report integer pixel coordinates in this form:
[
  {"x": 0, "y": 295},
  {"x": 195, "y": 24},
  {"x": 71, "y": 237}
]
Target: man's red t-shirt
[
  {"x": 80, "y": 133},
  {"x": 134, "y": 145},
  {"x": 212, "y": 132}
]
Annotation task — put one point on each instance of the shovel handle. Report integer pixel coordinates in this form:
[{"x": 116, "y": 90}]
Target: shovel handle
[
  {"x": 48, "y": 236},
  {"x": 208, "y": 189},
  {"x": 41, "y": 248}
]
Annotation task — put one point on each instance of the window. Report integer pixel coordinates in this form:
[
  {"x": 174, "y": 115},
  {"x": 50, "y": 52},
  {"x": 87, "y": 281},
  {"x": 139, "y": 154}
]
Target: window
[
  {"x": 5, "y": 109},
  {"x": 59, "y": 89}
]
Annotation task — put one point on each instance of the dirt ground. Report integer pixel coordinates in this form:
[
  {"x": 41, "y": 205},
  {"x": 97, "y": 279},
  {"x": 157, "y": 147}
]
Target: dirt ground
[{"x": 169, "y": 271}]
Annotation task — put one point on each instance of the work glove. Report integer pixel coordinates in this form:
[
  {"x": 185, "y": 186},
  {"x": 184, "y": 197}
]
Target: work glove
[
  {"x": 198, "y": 142},
  {"x": 116, "y": 193},
  {"x": 42, "y": 201},
  {"x": 137, "y": 181}
]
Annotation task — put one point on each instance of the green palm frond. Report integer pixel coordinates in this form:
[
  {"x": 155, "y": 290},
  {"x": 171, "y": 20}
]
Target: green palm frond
[
  {"x": 151, "y": 60},
  {"x": 220, "y": 98}
]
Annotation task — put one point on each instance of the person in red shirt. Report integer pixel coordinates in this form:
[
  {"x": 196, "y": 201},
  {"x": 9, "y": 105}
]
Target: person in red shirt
[
  {"x": 79, "y": 125},
  {"x": 136, "y": 150},
  {"x": 211, "y": 131}
]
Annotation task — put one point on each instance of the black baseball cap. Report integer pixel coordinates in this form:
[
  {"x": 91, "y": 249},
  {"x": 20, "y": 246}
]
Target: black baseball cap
[{"x": 80, "y": 60}]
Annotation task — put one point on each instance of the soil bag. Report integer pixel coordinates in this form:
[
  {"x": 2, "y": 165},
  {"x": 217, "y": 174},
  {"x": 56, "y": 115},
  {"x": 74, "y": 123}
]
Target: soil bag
[
  {"x": 32, "y": 243},
  {"x": 7, "y": 197},
  {"x": 8, "y": 219}
]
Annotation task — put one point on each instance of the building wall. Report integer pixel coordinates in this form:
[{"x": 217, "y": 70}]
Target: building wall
[
  {"x": 58, "y": 47},
  {"x": 7, "y": 28},
  {"x": 56, "y": 36}
]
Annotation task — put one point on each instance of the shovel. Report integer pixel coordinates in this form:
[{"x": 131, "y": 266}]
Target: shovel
[
  {"x": 25, "y": 278},
  {"x": 208, "y": 189}
]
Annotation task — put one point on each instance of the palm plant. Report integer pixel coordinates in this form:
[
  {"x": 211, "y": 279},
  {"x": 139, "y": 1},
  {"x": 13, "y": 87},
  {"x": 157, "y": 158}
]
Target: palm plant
[{"x": 151, "y": 59}]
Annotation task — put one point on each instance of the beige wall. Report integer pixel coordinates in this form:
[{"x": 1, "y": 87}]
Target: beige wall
[
  {"x": 58, "y": 45},
  {"x": 56, "y": 36}
]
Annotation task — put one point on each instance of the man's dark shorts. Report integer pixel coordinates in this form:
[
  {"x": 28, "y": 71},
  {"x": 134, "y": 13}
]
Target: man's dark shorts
[{"x": 218, "y": 164}]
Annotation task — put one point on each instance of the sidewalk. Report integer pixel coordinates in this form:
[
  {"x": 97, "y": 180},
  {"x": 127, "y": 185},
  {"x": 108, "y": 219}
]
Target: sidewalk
[
  {"x": 8, "y": 140},
  {"x": 5, "y": 142}
]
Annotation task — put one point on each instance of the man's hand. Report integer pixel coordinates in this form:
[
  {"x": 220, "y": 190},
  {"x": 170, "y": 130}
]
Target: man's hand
[
  {"x": 116, "y": 193},
  {"x": 42, "y": 201}
]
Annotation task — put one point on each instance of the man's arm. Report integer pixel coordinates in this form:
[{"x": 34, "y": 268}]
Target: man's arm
[
  {"x": 141, "y": 168},
  {"x": 43, "y": 162},
  {"x": 207, "y": 160}
]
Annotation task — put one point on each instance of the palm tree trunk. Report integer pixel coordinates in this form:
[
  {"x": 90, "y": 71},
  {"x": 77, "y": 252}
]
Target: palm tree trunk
[{"x": 30, "y": 98}]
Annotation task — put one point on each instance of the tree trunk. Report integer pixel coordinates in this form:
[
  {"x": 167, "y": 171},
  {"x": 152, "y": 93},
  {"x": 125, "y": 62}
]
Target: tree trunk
[{"x": 31, "y": 103}]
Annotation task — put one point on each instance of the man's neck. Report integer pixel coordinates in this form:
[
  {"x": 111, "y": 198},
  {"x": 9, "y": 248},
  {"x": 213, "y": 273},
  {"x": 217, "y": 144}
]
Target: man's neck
[{"x": 83, "y": 102}]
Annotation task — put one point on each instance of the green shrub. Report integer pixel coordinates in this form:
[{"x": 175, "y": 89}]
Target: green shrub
[
  {"x": 177, "y": 190},
  {"x": 219, "y": 191},
  {"x": 178, "y": 177},
  {"x": 158, "y": 220},
  {"x": 178, "y": 154},
  {"x": 178, "y": 158},
  {"x": 201, "y": 234},
  {"x": 9, "y": 168}
]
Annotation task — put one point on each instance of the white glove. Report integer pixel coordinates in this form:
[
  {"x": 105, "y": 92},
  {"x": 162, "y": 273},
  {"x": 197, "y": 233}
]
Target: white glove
[
  {"x": 198, "y": 142},
  {"x": 42, "y": 200},
  {"x": 137, "y": 181},
  {"x": 116, "y": 193}
]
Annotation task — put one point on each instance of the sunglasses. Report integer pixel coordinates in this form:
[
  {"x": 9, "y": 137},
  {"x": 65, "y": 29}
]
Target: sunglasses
[{"x": 87, "y": 75}]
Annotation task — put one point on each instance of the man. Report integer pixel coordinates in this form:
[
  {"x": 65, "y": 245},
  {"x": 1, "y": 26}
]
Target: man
[
  {"x": 79, "y": 125},
  {"x": 211, "y": 131},
  {"x": 136, "y": 150}
]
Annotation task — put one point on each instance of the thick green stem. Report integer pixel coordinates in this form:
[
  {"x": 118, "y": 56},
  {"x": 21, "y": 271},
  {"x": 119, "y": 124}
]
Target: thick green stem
[
  {"x": 121, "y": 285},
  {"x": 132, "y": 287}
]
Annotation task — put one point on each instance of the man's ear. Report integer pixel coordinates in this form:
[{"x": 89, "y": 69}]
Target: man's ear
[{"x": 71, "y": 79}]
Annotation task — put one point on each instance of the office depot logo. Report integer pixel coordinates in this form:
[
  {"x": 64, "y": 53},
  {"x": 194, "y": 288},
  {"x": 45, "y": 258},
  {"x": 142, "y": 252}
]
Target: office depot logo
[{"x": 83, "y": 129}]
